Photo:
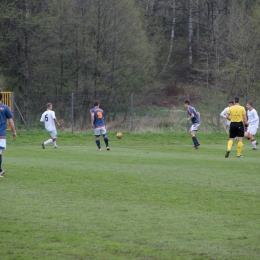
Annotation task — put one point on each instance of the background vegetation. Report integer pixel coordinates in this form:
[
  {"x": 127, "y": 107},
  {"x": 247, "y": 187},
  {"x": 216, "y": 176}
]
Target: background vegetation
[
  {"x": 121, "y": 47},
  {"x": 160, "y": 51}
]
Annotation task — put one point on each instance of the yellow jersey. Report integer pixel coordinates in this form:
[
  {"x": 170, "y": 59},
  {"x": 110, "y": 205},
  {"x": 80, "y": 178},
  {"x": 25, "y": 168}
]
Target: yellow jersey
[{"x": 236, "y": 113}]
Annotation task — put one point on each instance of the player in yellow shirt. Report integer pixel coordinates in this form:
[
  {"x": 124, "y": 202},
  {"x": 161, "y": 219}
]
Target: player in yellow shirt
[{"x": 237, "y": 116}]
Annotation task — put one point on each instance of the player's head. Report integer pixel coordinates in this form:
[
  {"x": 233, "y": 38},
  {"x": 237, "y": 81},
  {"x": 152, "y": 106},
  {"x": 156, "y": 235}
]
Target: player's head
[
  {"x": 186, "y": 103},
  {"x": 230, "y": 103},
  {"x": 96, "y": 103},
  {"x": 236, "y": 99},
  {"x": 249, "y": 105},
  {"x": 49, "y": 106}
]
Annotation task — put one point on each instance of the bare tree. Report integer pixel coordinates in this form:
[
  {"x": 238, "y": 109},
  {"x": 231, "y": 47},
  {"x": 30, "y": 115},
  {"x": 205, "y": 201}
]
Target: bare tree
[
  {"x": 190, "y": 30},
  {"x": 171, "y": 39}
]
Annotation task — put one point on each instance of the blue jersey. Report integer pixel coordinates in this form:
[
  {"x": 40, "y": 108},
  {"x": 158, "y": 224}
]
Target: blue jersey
[
  {"x": 98, "y": 117},
  {"x": 5, "y": 113},
  {"x": 195, "y": 119}
]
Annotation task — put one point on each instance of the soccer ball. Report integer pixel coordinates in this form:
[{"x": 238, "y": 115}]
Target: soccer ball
[{"x": 119, "y": 135}]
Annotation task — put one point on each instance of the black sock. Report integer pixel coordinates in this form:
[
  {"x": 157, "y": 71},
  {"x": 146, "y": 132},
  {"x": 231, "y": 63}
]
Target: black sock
[
  {"x": 98, "y": 144},
  {"x": 0, "y": 162},
  {"x": 195, "y": 141},
  {"x": 106, "y": 141}
]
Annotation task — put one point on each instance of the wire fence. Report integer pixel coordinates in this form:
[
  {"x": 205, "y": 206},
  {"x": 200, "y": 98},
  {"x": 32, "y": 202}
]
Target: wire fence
[{"x": 131, "y": 113}]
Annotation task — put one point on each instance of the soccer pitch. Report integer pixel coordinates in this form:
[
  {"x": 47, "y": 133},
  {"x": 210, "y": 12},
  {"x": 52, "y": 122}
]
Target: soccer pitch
[{"x": 151, "y": 197}]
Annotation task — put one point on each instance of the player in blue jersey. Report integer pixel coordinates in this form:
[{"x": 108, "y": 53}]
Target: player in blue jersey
[
  {"x": 98, "y": 123},
  {"x": 195, "y": 119},
  {"x": 5, "y": 114}
]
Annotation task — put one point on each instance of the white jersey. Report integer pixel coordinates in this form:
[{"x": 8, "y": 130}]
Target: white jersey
[
  {"x": 48, "y": 119},
  {"x": 223, "y": 114},
  {"x": 253, "y": 117}
]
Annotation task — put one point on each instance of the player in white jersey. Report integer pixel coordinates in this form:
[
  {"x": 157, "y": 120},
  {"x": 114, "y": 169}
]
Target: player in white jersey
[
  {"x": 50, "y": 121},
  {"x": 224, "y": 113},
  {"x": 252, "y": 124}
]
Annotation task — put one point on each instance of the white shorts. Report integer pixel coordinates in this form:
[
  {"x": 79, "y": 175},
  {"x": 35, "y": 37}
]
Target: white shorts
[
  {"x": 2, "y": 144},
  {"x": 251, "y": 130},
  {"x": 53, "y": 134},
  {"x": 194, "y": 127},
  {"x": 100, "y": 131}
]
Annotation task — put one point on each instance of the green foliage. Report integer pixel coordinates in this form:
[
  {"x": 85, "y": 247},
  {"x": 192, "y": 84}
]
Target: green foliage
[{"x": 115, "y": 48}]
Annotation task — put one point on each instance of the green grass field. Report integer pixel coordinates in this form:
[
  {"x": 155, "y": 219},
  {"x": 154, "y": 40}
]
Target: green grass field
[{"x": 152, "y": 197}]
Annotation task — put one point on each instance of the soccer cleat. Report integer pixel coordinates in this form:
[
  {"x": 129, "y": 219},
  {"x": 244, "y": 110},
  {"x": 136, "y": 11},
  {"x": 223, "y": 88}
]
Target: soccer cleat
[
  {"x": 227, "y": 154},
  {"x": 108, "y": 148},
  {"x": 255, "y": 148},
  {"x": 240, "y": 156},
  {"x": 99, "y": 149},
  {"x": 43, "y": 146},
  {"x": 55, "y": 146},
  {"x": 2, "y": 173}
]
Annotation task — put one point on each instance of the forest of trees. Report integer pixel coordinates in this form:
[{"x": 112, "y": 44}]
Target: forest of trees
[{"x": 119, "y": 47}]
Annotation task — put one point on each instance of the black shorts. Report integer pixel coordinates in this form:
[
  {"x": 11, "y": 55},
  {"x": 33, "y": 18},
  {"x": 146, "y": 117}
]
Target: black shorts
[{"x": 236, "y": 129}]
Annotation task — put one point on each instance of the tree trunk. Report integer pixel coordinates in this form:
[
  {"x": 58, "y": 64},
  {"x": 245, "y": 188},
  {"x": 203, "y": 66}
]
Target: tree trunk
[
  {"x": 172, "y": 38},
  {"x": 190, "y": 31}
]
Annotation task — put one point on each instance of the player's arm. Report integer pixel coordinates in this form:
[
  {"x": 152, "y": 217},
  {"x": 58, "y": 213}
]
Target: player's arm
[
  {"x": 11, "y": 123},
  {"x": 228, "y": 116},
  {"x": 245, "y": 119},
  {"x": 54, "y": 118},
  {"x": 198, "y": 113},
  {"x": 92, "y": 119},
  {"x": 56, "y": 121},
  {"x": 223, "y": 113},
  {"x": 42, "y": 119},
  {"x": 191, "y": 116}
]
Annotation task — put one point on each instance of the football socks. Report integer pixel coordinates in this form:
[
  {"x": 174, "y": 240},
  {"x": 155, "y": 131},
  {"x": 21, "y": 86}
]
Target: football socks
[
  {"x": 239, "y": 148},
  {"x": 98, "y": 144},
  {"x": 230, "y": 143},
  {"x": 106, "y": 141}
]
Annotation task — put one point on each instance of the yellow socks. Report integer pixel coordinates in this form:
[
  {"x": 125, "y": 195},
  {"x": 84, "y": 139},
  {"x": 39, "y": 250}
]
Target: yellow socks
[
  {"x": 239, "y": 148},
  {"x": 229, "y": 146}
]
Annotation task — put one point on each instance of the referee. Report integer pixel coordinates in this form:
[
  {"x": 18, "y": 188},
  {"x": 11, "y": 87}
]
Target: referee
[{"x": 237, "y": 116}]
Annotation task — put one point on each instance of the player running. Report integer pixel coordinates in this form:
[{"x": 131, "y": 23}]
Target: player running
[
  {"x": 195, "y": 119},
  {"x": 49, "y": 119}
]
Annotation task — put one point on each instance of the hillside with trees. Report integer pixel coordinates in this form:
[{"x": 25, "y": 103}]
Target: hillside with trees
[{"x": 117, "y": 47}]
